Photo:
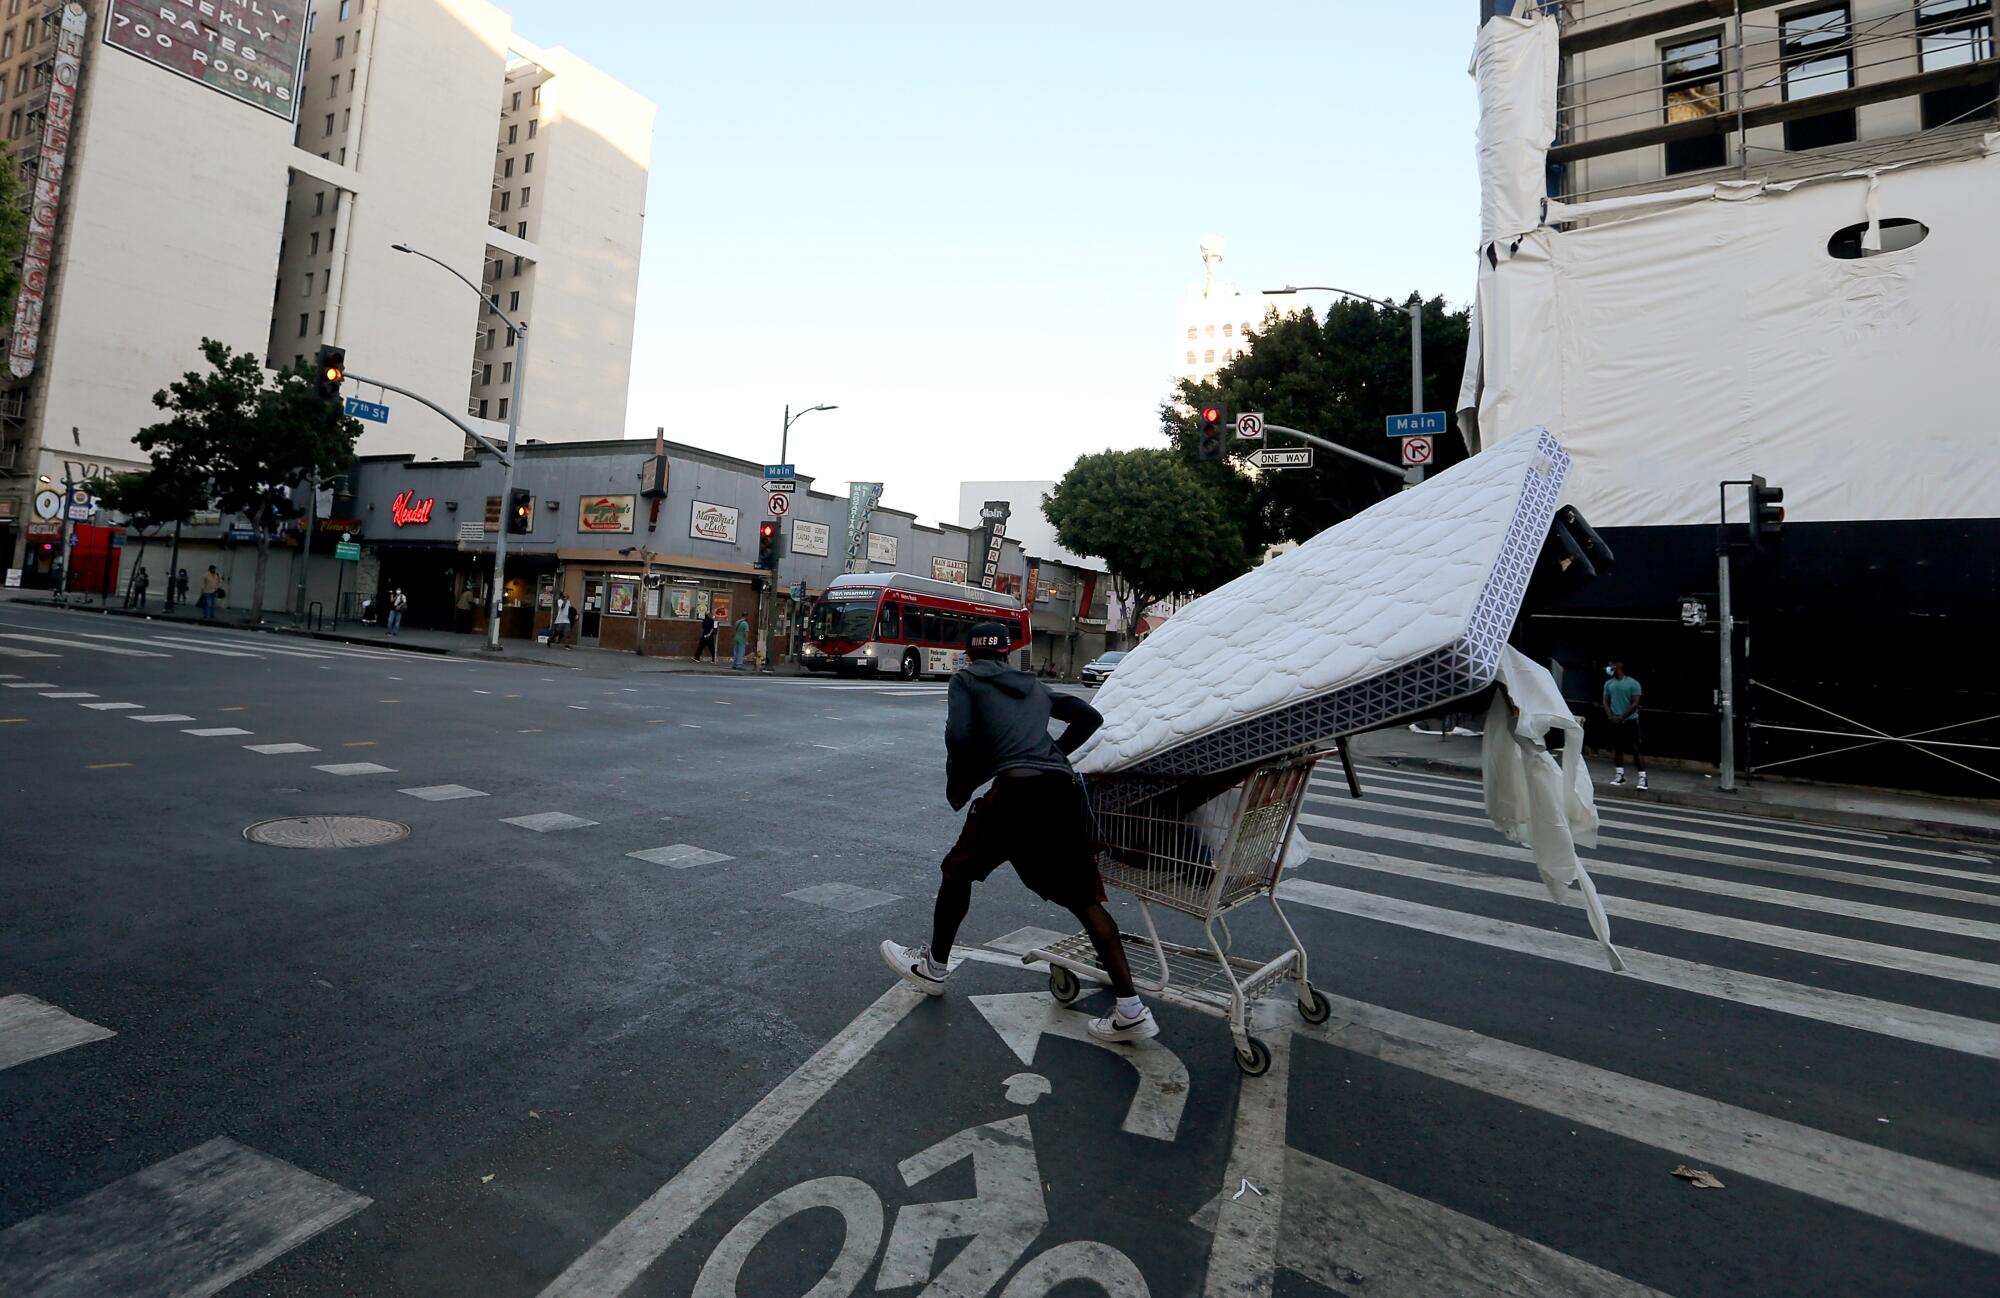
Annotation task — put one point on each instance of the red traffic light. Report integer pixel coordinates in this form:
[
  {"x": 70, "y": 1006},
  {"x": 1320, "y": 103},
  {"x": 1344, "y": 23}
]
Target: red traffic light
[
  {"x": 1211, "y": 414},
  {"x": 767, "y": 529}
]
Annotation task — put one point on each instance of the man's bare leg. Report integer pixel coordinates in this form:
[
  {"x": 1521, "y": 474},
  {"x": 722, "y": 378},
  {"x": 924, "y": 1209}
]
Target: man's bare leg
[{"x": 1103, "y": 931}]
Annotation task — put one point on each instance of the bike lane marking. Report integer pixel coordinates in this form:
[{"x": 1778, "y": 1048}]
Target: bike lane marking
[
  {"x": 1021, "y": 1019},
  {"x": 615, "y": 1262}
]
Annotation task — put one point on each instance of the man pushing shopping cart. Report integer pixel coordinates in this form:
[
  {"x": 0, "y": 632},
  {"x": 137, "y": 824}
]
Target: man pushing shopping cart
[{"x": 1035, "y": 816}]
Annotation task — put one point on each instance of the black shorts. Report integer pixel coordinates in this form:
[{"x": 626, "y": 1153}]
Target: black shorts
[
  {"x": 1041, "y": 823},
  {"x": 1625, "y": 735}
]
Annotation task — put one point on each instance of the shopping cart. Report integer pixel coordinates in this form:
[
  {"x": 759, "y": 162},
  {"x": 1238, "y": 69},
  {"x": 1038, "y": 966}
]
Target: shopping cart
[{"x": 1201, "y": 850}]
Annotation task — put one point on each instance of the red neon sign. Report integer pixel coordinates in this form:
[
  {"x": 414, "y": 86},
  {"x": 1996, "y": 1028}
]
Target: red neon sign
[{"x": 406, "y": 510}]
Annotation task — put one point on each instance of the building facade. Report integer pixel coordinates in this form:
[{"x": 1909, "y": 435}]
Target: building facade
[
  {"x": 1653, "y": 93},
  {"x": 240, "y": 170},
  {"x": 1213, "y": 323}
]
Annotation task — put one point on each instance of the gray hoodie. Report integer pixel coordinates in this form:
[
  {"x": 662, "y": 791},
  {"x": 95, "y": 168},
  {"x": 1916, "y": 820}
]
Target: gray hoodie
[{"x": 999, "y": 720}]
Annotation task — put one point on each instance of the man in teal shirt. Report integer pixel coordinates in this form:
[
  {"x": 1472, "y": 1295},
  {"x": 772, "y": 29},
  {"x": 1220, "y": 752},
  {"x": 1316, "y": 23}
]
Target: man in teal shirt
[
  {"x": 742, "y": 645},
  {"x": 1622, "y": 696}
]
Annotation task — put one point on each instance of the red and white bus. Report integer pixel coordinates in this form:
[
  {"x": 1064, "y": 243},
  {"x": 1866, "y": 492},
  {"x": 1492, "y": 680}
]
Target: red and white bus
[{"x": 895, "y": 623}]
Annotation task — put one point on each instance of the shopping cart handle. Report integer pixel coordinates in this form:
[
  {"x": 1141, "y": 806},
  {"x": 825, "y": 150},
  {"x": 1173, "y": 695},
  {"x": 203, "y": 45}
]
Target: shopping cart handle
[{"x": 1347, "y": 765}]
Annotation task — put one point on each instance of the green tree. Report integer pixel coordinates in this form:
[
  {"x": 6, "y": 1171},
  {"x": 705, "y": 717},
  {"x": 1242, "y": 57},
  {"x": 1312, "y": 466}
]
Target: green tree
[
  {"x": 248, "y": 438},
  {"x": 13, "y": 234},
  {"x": 1336, "y": 377},
  {"x": 153, "y": 500},
  {"x": 1159, "y": 529}
]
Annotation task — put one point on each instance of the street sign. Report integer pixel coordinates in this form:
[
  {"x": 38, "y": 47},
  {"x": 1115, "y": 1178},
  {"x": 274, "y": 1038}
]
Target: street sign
[
  {"x": 782, "y": 484},
  {"x": 367, "y": 410},
  {"x": 1273, "y": 458},
  {"x": 779, "y": 471},
  {"x": 1428, "y": 424},
  {"x": 1249, "y": 426},
  {"x": 1416, "y": 450},
  {"x": 779, "y": 504},
  {"x": 81, "y": 505},
  {"x": 1694, "y": 611},
  {"x": 347, "y": 550}
]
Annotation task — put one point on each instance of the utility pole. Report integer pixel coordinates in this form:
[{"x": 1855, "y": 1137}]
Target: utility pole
[{"x": 769, "y": 599}]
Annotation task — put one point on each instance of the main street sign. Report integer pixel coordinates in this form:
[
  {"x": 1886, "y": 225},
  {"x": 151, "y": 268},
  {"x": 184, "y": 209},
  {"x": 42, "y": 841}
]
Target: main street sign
[
  {"x": 1273, "y": 458},
  {"x": 1431, "y": 423},
  {"x": 774, "y": 471}
]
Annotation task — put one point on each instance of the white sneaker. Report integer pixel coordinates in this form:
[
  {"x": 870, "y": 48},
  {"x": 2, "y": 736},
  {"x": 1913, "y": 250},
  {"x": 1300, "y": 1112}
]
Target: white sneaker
[
  {"x": 1463, "y": 732},
  {"x": 1618, "y": 778},
  {"x": 913, "y": 963},
  {"x": 1642, "y": 780},
  {"x": 1114, "y": 1028}
]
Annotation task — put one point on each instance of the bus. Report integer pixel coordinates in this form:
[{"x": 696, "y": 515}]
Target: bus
[{"x": 895, "y": 623}]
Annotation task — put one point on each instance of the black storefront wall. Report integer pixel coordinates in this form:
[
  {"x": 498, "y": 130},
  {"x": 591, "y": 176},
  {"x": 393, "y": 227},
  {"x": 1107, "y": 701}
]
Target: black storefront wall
[
  {"x": 1884, "y": 624},
  {"x": 433, "y": 575}
]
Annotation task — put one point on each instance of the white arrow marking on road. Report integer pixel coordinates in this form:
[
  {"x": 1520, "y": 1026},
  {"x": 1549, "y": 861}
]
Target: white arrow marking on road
[
  {"x": 1001, "y": 1219},
  {"x": 1023, "y": 1018}
]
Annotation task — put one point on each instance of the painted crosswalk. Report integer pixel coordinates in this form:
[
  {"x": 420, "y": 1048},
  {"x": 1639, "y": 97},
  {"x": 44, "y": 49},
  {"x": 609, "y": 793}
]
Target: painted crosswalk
[{"x": 22, "y": 640}]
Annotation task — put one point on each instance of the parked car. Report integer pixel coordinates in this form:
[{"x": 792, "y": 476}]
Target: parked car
[{"x": 1095, "y": 671}]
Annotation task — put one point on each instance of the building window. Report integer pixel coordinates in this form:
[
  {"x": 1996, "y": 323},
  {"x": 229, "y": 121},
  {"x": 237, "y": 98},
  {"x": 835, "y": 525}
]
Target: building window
[
  {"x": 329, "y": 124},
  {"x": 513, "y": 134},
  {"x": 482, "y": 407},
  {"x": 1190, "y": 359},
  {"x": 503, "y": 407},
  {"x": 305, "y": 320},
  {"x": 1210, "y": 331},
  {"x": 322, "y": 322},
  {"x": 7, "y": 45},
  {"x": 319, "y": 203},
  {"x": 333, "y": 85},
  {"x": 345, "y": 5},
  {"x": 531, "y": 129},
  {"x": 1945, "y": 41},
  {"x": 309, "y": 50},
  {"x": 14, "y": 125},
  {"x": 521, "y": 230},
  {"x": 506, "y": 199},
  {"x": 485, "y": 374},
  {"x": 1228, "y": 331},
  {"x": 346, "y": 117},
  {"x": 506, "y": 168},
  {"x": 298, "y": 359},
  {"x": 528, "y": 165},
  {"x": 1691, "y": 91},
  {"x": 309, "y": 285},
  {"x": 21, "y": 81},
  {"x": 526, "y": 193},
  {"x": 517, "y": 265},
  {"x": 350, "y": 81},
  {"x": 510, "y": 335},
  {"x": 491, "y": 334},
  {"x": 340, "y": 47},
  {"x": 312, "y": 249},
  {"x": 1191, "y": 333},
  {"x": 506, "y": 371},
  {"x": 326, "y": 281},
  {"x": 517, "y": 101},
  {"x": 1208, "y": 357},
  {"x": 514, "y": 300},
  {"x": 1818, "y": 54},
  {"x": 535, "y": 96}
]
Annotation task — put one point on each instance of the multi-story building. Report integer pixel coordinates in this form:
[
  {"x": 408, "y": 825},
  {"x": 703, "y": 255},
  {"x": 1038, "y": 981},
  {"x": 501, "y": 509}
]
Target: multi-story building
[
  {"x": 1659, "y": 92},
  {"x": 242, "y": 171},
  {"x": 1214, "y": 321}
]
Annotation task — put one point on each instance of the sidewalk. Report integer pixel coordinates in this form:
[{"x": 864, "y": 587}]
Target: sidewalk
[
  {"x": 410, "y": 640},
  {"x": 1885, "y": 810}
]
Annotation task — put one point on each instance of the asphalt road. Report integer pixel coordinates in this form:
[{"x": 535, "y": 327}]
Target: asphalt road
[{"x": 645, "y": 1045}]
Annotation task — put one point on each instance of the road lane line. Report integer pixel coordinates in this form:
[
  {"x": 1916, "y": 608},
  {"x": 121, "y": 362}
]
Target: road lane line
[
  {"x": 216, "y": 732},
  {"x": 80, "y": 644},
  {"x": 1895, "y": 1187},
  {"x": 617, "y": 1261},
  {"x": 273, "y": 750},
  {"x": 106, "y": 766},
  {"x": 1853, "y": 950},
  {"x": 33, "y": 685},
  {"x": 161, "y": 640},
  {"x": 1841, "y": 1009},
  {"x": 114, "y": 707},
  {"x": 1985, "y": 930},
  {"x": 1243, "y": 1262},
  {"x": 163, "y": 716},
  {"x": 31, "y": 1027},
  {"x": 68, "y": 694},
  {"x": 355, "y": 768},
  {"x": 11, "y": 652},
  {"x": 187, "y": 1227},
  {"x": 442, "y": 792},
  {"x": 11, "y": 721}
]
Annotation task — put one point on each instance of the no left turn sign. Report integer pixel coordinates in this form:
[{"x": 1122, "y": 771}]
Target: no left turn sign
[
  {"x": 1416, "y": 450},
  {"x": 779, "y": 502}
]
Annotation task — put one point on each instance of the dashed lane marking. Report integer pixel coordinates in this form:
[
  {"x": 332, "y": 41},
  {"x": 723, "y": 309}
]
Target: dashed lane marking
[
  {"x": 31, "y": 1027},
  {"x": 11, "y": 721},
  {"x": 355, "y": 768},
  {"x": 843, "y": 897},
  {"x": 114, "y": 707},
  {"x": 359, "y": 743},
  {"x": 106, "y": 766},
  {"x": 33, "y": 685},
  {"x": 11, "y": 652},
  {"x": 217, "y": 732},
  {"x": 68, "y": 694},
  {"x": 273, "y": 750},
  {"x": 680, "y": 856},
  {"x": 238, "y": 708},
  {"x": 547, "y": 822},
  {"x": 443, "y": 792},
  {"x": 164, "y": 716},
  {"x": 531, "y": 730}
]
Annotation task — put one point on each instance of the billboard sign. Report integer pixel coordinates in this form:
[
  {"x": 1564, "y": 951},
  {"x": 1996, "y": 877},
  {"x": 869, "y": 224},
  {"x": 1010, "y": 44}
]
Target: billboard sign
[
  {"x": 252, "y": 50},
  {"x": 948, "y": 570},
  {"x": 712, "y": 522},
  {"x": 809, "y": 538},
  {"x": 604, "y": 514},
  {"x": 52, "y": 158}
]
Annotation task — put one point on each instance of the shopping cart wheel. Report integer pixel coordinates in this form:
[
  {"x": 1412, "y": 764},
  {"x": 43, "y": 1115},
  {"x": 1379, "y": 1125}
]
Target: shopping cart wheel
[
  {"x": 1256, "y": 1060},
  {"x": 1316, "y": 1010},
  {"x": 1063, "y": 984}
]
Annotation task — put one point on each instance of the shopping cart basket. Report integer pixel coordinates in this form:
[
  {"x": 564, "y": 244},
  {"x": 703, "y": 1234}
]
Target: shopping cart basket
[{"x": 1202, "y": 851}]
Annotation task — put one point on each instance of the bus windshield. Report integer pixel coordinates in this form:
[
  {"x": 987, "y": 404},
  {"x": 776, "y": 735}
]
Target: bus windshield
[{"x": 850, "y": 619}]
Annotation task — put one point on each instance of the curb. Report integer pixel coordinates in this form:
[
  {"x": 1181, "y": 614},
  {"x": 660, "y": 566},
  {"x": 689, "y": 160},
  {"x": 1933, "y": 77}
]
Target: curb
[{"x": 1743, "y": 805}]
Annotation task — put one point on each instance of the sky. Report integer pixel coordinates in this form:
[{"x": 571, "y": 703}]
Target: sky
[{"x": 968, "y": 225}]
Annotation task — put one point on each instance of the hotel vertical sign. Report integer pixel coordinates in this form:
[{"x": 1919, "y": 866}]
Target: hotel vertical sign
[
  {"x": 250, "y": 50},
  {"x": 36, "y": 255}
]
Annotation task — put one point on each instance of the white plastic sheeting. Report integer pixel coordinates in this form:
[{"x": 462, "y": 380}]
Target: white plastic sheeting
[
  {"x": 1679, "y": 338},
  {"x": 1515, "y": 64}
]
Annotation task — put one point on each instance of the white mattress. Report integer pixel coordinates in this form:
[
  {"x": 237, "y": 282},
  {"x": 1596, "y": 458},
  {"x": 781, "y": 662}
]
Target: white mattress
[{"x": 1392, "y": 613}]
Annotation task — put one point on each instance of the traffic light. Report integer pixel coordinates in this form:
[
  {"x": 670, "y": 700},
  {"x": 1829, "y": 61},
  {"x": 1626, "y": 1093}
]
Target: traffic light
[
  {"x": 1767, "y": 511},
  {"x": 767, "y": 543},
  {"x": 520, "y": 511},
  {"x": 329, "y": 369},
  {"x": 1214, "y": 444}
]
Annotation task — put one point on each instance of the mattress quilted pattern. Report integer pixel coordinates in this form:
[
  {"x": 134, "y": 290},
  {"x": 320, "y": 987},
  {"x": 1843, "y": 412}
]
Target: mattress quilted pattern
[{"x": 1400, "y": 609}]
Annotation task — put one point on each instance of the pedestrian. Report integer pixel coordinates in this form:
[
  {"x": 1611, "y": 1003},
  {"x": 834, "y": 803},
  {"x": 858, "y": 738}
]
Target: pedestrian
[
  {"x": 399, "y": 603},
  {"x": 707, "y": 640},
  {"x": 742, "y": 645},
  {"x": 139, "y": 583},
  {"x": 467, "y": 601},
  {"x": 559, "y": 620},
  {"x": 1035, "y": 815},
  {"x": 1622, "y": 696},
  {"x": 180, "y": 587},
  {"x": 211, "y": 593}
]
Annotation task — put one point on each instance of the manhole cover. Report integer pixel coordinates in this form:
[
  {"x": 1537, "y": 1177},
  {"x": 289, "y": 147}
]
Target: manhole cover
[{"x": 326, "y": 831}]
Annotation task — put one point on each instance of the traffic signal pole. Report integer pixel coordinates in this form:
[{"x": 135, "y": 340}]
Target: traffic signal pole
[{"x": 498, "y": 594}]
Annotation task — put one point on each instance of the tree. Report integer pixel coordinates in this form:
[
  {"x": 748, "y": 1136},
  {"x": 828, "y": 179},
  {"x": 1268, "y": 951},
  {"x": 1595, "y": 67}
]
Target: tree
[
  {"x": 13, "y": 234},
  {"x": 1336, "y": 378},
  {"x": 248, "y": 438},
  {"x": 1157, "y": 527},
  {"x": 153, "y": 500}
]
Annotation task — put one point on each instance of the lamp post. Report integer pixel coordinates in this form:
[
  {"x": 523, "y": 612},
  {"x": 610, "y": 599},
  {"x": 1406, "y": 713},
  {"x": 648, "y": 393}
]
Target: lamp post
[
  {"x": 1414, "y": 309},
  {"x": 499, "y": 592},
  {"x": 771, "y": 581},
  {"x": 646, "y": 558}
]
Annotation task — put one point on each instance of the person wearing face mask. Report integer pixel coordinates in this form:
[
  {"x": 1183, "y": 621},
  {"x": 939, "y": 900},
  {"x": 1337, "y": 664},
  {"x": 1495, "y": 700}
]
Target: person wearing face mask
[{"x": 1622, "y": 696}]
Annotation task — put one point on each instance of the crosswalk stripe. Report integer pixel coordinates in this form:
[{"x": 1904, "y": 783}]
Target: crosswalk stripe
[
  {"x": 1924, "y": 1196},
  {"x": 1843, "y": 1009},
  {"x": 11, "y": 652},
  {"x": 80, "y": 644},
  {"x": 152, "y": 640},
  {"x": 189, "y": 1226},
  {"x": 1602, "y": 867},
  {"x": 247, "y": 650},
  {"x": 31, "y": 1027},
  {"x": 1855, "y": 950},
  {"x": 1397, "y": 796}
]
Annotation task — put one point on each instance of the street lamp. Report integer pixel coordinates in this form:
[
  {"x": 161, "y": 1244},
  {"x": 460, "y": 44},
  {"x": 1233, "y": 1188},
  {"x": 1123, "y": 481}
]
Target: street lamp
[
  {"x": 513, "y": 438},
  {"x": 1415, "y": 310},
  {"x": 771, "y": 582}
]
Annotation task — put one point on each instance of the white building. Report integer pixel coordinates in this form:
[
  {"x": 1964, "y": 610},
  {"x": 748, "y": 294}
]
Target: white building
[
  {"x": 248, "y": 185},
  {"x": 1214, "y": 319}
]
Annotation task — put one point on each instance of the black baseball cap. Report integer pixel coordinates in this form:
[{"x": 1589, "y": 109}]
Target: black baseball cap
[{"x": 988, "y": 640}]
